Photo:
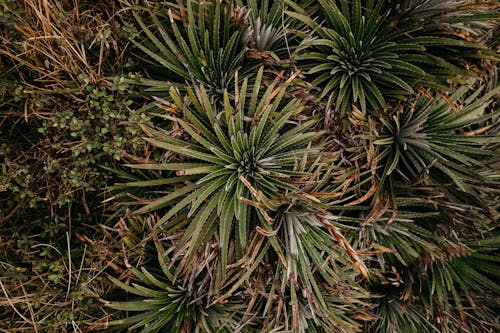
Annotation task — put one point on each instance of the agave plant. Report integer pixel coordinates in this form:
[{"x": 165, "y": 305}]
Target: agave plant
[
  {"x": 317, "y": 267},
  {"x": 465, "y": 21},
  {"x": 428, "y": 168},
  {"x": 449, "y": 17},
  {"x": 307, "y": 264},
  {"x": 432, "y": 137},
  {"x": 292, "y": 312},
  {"x": 204, "y": 41},
  {"x": 361, "y": 59},
  {"x": 258, "y": 140},
  {"x": 466, "y": 287},
  {"x": 454, "y": 292},
  {"x": 357, "y": 57},
  {"x": 166, "y": 304},
  {"x": 271, "y": 28}
]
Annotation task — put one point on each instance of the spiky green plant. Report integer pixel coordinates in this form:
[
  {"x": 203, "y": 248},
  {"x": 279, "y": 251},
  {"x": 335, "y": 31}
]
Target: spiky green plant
[
  {"x": 462, "y": 19},
  {"x": 429, "y": 166},
  {"x": 313, "y": 267},
  {"x": 272, "y": 29},
  {"x": 307, "y": 263},
  {"x": 455, "y": 292},
  {"x": 357, "y": 59},
  {"x": 385, "y": 221},
  {"x": 467, "y": 21},
  {"x": 396, "y": 316},
  {"x": 166, "y": 304},
  {"x": 431, "y": 137},
  {"x": 460, "y": 292},
  {"x": 257, "y": 139},
  {"x": 201, "y": 41},
  {"x": 360, "y": 58},
  {"x": 290, "y": 311}
]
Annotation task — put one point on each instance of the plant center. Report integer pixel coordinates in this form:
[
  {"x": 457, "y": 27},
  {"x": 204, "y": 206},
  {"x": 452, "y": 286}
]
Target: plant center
[{"x": 248, "y": 163}]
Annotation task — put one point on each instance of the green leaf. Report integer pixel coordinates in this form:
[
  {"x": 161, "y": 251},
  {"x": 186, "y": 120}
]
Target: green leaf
[{"x": 165, "y": 200}]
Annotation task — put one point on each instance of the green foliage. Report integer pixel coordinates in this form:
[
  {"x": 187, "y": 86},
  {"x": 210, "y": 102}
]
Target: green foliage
[
  {"x": 285, "y": 166},
  {"x": 296, "y": 315},
  {"x": 467, "y": 21},
  {"x": 205, "y": 42},
  {"x": 445, "y": 295},
  {"x": 462, "y": 283},
  {"x": 312, "y": 255},
  {"x": 359, "y": 58},
  {"x": 271, "y": 29},
  {"x": 166, "y": 305},
  {"x": 61, "y": 121},
  {"x": 47, "y": 276},
  {"x": 74, "y": 142},
  {"x": 395, "y": 316},
  {"x": 430, "y": 139},
  {"x": 251, "y": 144}
]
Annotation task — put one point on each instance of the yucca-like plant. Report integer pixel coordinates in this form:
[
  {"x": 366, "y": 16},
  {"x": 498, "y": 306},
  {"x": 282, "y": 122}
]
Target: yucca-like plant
[
  {"x": 317, "y": 267},
  {"x": 433, "y": 137},
  {"x": 204, "y": 41},
  {"x": 461, "y": 292},
  {"x": 266, "y": 23},
  {"x": 290, "y": 311},
  {"x": 272, "y": 29},
  {"x": 239, "y": 172},
  {"x": 471, "y": 22},
  {"x": 428, "y": 166},
  {"x": 310, "y": 271},
  {"x": 259, "y": 139},
  {"x": 357, "y": 57},
  {"x": 463, "y": 19},
  {"x": 454, "y": 292},
  {"x": 386, "y": 221},
  {"x": 165, "y": 304},
  {"x": 395, "y": 316},
  {"x": 360, "y": 58}
]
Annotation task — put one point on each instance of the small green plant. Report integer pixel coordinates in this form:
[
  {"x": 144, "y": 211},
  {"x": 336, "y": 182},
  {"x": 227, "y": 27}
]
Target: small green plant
[
  {"x": 311, "y": 254},
  {"x": 431, "y": 138},
  {"x": 167, "y": 305},
  {"x": 360, "y": 58},
  {"x": 201, "y": 41},
  {"x": 256, "y": 140},
  {"x": 446, "y": 289},
  {"x": 271, "y": 29}
]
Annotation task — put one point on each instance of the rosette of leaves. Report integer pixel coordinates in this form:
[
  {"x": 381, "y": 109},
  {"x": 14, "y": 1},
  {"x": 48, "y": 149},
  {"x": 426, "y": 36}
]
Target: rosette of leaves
[
  {"x": 317, "y": 267},
  {"x": 258, "y": 139},
  {"x": 436, "y": 137},
  {"x": 271, "y": 37},
  {"x": 164, "y": 304},
  {"x": 204, "y": 41},
  {"x": 471, "y": 23},
  {"x": 360, "y": 58},
  {"x": 309, "y": 265},
  {"x": 356, "y": 57},
  {"x": 457, "y": 291}
]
